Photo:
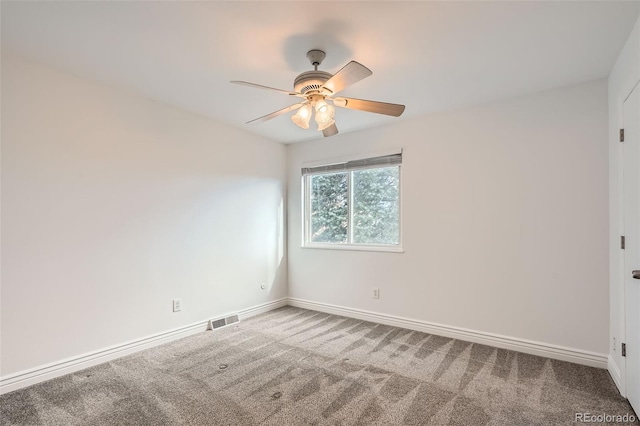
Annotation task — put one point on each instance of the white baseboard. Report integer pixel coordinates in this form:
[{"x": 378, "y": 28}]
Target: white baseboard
[
  {"x": 46, "y": 372},
  {"x": 262, "y": 308},
  {"x": 39, "y": 374},
  {"x": 614, "y": 371},
  {"x": 521, "y": 345}
]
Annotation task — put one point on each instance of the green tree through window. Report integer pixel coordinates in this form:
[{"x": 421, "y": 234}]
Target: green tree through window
[
  {"x": 329, "y": 208},
  {"x": 360, "y": 206},
  {"x": 376, "y": 206}
]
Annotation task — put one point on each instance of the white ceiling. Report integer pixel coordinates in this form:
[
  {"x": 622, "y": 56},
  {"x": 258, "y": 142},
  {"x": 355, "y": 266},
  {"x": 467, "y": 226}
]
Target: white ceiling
[{"x": 430, "y": 56}]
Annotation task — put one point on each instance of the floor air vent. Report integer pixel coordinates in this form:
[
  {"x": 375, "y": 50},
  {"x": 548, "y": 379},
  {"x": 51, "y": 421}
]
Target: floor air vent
[{"x": 222, "y": 322}]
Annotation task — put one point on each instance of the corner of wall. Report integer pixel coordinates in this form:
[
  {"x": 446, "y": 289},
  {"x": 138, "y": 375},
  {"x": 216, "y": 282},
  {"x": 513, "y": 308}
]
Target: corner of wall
[{"x": 616, "y": 375}]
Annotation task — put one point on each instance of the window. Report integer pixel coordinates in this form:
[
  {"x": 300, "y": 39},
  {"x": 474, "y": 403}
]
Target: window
[{"x": 354, "y": 204}]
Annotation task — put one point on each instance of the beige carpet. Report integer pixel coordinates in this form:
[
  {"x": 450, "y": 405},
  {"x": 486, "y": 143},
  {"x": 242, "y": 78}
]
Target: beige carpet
[{"x": 298, "y": 367}]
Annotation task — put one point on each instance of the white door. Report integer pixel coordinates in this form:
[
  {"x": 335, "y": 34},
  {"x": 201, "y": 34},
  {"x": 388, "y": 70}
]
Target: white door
[{"x": 631, "y": 197}]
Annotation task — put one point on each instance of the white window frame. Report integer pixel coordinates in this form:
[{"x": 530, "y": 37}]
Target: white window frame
[{"x": 306, "y": 210}]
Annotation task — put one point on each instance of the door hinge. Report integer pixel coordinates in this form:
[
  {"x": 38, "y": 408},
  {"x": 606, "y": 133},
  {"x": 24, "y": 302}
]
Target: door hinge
[
  {"x": 624, "y": 349},
  {"x": 622, "y": 242},
  {"x": 621, "y": 135}
]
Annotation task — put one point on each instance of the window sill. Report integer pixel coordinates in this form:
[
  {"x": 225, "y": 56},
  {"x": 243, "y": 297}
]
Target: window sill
[{"x": 354, "y": 247}]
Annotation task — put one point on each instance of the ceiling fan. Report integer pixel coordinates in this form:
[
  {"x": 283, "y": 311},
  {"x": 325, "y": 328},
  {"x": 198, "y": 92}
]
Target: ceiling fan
[{"x": 317, "y": 90}]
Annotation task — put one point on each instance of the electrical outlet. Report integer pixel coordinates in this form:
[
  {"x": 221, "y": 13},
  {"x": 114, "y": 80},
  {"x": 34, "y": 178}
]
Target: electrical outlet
[
  {"x": 177, "y": 305},
  {"x": 376, "y": 293}
]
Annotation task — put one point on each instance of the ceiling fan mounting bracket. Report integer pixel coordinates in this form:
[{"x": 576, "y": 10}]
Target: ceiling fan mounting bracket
[{"x": 316, "y": 56}]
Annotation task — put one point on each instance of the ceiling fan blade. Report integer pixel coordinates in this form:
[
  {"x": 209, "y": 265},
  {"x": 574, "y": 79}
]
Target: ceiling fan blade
[
  {"x": 351, "y": 73},
  {"x": 259, "y": 86},
  {"x": 275, "y": 114},
  {"x": 394, "y": 110},
  {"x": 330, "y": 131}
]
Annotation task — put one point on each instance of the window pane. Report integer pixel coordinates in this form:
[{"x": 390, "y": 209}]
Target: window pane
[
  {"x": 376, "y": 206},
  {"x": 329, "y": 209}
]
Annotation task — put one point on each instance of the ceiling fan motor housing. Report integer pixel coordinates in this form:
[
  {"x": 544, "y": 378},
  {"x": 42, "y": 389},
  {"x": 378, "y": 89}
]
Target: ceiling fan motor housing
[{"x": 310, "y": 81}]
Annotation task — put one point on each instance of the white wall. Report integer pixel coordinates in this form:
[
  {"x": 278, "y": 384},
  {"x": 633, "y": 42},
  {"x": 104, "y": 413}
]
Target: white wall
[
  {"x": 504, "y": 217},
  {"x": 113, "y": 205},
  {"x": 622, "y": 79}
]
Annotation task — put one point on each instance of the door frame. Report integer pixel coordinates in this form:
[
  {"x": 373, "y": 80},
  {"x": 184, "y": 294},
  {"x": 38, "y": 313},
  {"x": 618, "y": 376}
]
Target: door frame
[{"x": 622, "y": 375}]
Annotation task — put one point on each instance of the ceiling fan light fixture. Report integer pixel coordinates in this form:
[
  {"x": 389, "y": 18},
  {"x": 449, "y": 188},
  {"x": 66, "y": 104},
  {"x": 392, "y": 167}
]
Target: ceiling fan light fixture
[
  {"x": 302, "y": 117},
  {"x": 326, "y": 125},
  {"x": 323, "y": 107},
  {"x": 325, "y": 115}
]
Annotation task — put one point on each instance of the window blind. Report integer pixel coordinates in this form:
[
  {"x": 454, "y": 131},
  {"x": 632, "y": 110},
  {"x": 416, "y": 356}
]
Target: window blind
[{"x": 365, "y": 163}]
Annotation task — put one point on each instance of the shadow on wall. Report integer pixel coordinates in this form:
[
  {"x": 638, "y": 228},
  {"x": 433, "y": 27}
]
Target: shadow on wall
[
  {"x": 231, "y": 239},
  {"x": 276, "y": 265}
]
